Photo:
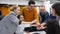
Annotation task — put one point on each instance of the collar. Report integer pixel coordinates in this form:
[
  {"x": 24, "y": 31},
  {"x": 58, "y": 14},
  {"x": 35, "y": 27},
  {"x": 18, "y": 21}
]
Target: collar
[{"x": 13, "y": 13}]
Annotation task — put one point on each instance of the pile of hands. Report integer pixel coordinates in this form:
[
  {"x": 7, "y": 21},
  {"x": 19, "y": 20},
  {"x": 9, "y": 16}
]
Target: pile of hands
[
  {"x": 38, "y": 26},
  {"x": 41, "y": 26}
]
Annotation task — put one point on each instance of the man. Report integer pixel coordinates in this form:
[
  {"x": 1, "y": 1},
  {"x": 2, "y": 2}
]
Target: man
[
  {"x": 9, "y": 23},
  {"x": 29, "y": 13},
  {"x": 56, "y": 12},
  {"x": 43, "y": 15}
]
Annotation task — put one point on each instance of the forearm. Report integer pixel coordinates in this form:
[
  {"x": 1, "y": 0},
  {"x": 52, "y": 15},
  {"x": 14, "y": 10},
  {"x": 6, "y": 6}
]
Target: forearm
[
  {"x": 23, "y": 22},
  {"x": 43, "y": 24}
]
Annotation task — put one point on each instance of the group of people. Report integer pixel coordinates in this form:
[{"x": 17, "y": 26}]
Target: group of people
[{"x": 39, "y": 22}]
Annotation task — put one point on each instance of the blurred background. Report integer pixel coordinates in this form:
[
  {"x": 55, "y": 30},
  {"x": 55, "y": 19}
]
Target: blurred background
[{"x": 6, "y": 4}]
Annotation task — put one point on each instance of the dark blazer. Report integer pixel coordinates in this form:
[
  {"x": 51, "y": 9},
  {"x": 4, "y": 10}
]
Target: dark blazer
[
  {"x": 52, "y": 17},
  {"x": 53, "y": 26},
  {"x": 46, "y": 14}
]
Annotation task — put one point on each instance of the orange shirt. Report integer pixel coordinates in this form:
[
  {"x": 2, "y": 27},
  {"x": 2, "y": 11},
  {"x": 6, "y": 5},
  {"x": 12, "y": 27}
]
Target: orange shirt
[{"x": 30, "y": 15}]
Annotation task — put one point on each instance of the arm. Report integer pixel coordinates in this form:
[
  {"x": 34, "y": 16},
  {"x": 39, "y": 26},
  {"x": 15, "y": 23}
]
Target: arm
[
  {"x": 23, "y": 22},
  {"x": 46, "y": 18},
  {"x": 36, "y": 16},
  {"x": 14, "y": 19}
]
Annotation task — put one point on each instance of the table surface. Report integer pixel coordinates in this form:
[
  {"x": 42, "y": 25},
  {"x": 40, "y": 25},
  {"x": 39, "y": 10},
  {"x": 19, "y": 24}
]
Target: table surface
[
  {"x": 21, "y": 27},
  {"x": 40, "y": 32}
]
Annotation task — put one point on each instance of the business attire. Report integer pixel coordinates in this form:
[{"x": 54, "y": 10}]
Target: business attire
[
  {"x": 58, "y": 30},
  {"x": 53, "y": 27},
  {"x": 9, "y": 23},
  {"x": 44, "y": 17},
  {"x": 52, "y": 17}
]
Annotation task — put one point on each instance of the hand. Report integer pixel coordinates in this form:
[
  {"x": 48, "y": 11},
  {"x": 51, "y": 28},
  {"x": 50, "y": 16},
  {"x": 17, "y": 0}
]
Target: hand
[
  {"x": 33, "y": 25},
  {"x": 24, "y": 22},
  {"x": 34, "y": 21},
  {"x": 38, "y": 27},
  {"x": 43, "y": 24},
  {"x": 42, "y": 27}
]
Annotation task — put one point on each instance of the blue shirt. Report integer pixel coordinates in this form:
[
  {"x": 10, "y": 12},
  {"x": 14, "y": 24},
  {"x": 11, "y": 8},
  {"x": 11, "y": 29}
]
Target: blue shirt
[{"x": 46, "y": 17}]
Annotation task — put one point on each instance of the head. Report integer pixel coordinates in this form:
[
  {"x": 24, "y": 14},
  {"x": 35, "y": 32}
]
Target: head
[
  {"x": 31, "y": 4},
  {"x": 42, "y": 8},
  {"x": 20, "y": 17},
  {"x": 56, "y": 9},
  {"x": 16, "y": 10}
]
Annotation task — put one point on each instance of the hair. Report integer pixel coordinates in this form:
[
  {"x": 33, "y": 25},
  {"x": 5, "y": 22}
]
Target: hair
[
  {"x": 31, "y": 2},
  {"x": 18, "y": 16},
  {"x": 14, "y": 8},
  {"x": 19, "y": 19},
  {"x": 42, "y": 6},
  {"x": 56, "y": 7},
  {"x": 52, "y": 26}
]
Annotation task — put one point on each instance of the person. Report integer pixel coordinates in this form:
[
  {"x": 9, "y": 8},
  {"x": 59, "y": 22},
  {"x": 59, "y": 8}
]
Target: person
[
  {"x": 52, "y": 16},
  {"x": 9, "y": 23},
  {"x": 56, "y": 12},
  {"x": 22, "y": 25},
  {"x": 43, "y": 15},
  {"x": 29, "y": 13},
  {"x": 52, "y": 26},
  {"x": 21, "y": 18}
]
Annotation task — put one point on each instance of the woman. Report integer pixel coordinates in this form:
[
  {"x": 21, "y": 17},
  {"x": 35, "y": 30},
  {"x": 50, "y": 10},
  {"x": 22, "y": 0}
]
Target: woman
[
  {"x": 9, "y": 23},
  {"x": 52, "y": 26}
]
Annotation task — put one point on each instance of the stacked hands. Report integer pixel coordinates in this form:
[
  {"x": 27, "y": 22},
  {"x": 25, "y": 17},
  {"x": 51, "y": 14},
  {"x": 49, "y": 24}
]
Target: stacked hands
[
  {"x": 38, "y": 26},
  {"x": 33, "y": 23}
]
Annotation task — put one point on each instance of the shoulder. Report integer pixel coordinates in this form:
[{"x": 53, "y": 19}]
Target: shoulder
[
  {"x": 46, "y": 12},
  {"x": 34, "y": 8},
  {"x": 11, "y": 15},
  {"x": 52, "y": 21},
  {"x": 24, "y": 8}
]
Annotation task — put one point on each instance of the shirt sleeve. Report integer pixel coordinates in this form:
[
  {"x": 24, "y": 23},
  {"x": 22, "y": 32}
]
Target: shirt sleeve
[
  {"x": 14, "y": 19},
  {"x": 22, "y": 10},
  {"x": 36, "y": 16}
]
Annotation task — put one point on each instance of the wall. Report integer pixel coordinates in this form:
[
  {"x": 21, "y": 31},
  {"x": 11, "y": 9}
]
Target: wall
[
  {"x": 19, "y": 2},
  {"x": 4, "y": 10}
]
